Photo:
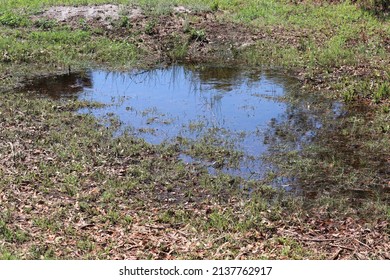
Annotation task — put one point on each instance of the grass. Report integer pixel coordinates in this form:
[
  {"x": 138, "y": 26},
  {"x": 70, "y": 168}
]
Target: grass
[
  {"x": 64, "y": 47},
  {"x": 82, "y": 193}
]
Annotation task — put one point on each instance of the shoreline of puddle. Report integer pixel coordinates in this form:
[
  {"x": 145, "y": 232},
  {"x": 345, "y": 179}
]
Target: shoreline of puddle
[{"x": 203, "y": 109}]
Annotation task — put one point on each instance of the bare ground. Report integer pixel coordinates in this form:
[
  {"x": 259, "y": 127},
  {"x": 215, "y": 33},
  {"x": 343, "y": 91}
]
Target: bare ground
[{"x": 161, "y": 35}]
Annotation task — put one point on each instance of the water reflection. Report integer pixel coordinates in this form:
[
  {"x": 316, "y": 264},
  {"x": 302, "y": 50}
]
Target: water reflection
[
  {"x": 205, "y": 107},
  {"x": 60, "y": 86}
]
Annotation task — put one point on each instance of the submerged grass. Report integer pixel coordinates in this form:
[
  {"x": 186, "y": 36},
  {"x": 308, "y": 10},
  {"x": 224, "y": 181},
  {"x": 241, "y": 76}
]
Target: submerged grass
[
  {"x": 70, "y": 190},
  {"x": 87, "y": 182}
]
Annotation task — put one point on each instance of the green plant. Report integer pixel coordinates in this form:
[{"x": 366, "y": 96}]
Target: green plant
[
  {"x": 150, "y": 27},
  {"x": 124, "y": 22},
  {"x": 45, "y": 24},
  {"x": 197, "y": 35},
  {"x": 382, "y": 92},
  {"x": 376, "y": 6},
  {"x": 86, "y": 244},
  {"x": 42, "y": 252},
  {"x": 13, "y": 20},
  {"x": 176, "y": 47},
  {"x": 214, "y": 6},
  {"x": 9, "y": 235},
  {"x": 7, "y": 255},
  {"x": 84, "y": 24},
  {"x": 113, "y": 216}
]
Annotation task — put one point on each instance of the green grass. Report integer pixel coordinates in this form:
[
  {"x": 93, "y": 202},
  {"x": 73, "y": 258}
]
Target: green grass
[
  {"x": 88, "y": 188},
  {"x": 339, "y": 23},
  {"x": 64, "y": 47},
  {"x": 10, "y": 235},
  {"x": 6, "y": 255}
]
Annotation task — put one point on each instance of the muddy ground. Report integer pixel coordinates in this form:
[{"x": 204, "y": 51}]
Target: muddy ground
[
  {"x": 205, "y": 36},
  {"x": 116, "y": 210}
]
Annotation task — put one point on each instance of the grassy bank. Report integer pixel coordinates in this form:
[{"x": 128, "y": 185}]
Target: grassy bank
[{"x": 70, "y": 190}]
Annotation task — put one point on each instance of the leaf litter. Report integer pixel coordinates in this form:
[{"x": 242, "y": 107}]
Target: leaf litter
[
  {"x": 70, "y": 192},
  {"x": 135, "y": 219}
]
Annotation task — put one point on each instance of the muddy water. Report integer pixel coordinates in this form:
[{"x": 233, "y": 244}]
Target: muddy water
[{"x": 240, "y": 114}]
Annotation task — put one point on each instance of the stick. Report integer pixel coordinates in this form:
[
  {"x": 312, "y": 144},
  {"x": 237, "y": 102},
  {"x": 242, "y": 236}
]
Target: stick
[
  {"x": 319, "y": 240},
  {"x": 340, "y": 246},
  {"x": 335, "y": 256},
  {"x": 362, "y": 243}
]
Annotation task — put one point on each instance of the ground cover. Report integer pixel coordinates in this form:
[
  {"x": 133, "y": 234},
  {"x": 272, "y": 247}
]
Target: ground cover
[{"x": 70, "y": 190}]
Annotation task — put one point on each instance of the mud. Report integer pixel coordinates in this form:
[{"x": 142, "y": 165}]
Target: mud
[{"x": 201, "y": 34}]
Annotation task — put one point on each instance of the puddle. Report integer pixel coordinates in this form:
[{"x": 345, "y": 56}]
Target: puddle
[
  {"x": 60, "y": 87},
  {"x": 224, "y": 118}
]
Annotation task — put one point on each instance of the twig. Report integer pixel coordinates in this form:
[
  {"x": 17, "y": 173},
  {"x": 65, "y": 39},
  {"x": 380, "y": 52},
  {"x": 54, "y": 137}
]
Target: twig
[
  {"x": 84, "y": 226},
  {"x": 13, "y": 153},
  {"x": 222, "y": 246},
  {"x": 156, "y": 227},
  {"x": 219, "y": 238},
  {"x": 238, "y": 257},
  {"x": 335, "y": 256},
  {"x": 12, "y": 150},
  {"x": 319, "y": 240},
  {"x": 132, "y": 247},
  {"x": 182, "y": 233},
  {"x": 341, "y": 246},
  {"x": 362, "y": 243},
  {"x": 359, "y": 256}
]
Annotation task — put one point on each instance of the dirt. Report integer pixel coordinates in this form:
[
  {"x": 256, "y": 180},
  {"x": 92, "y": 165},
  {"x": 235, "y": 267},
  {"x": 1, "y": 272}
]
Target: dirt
[
  {"x": 318, "y": 231},
  {"x": 102, "y": 13},
  {"x": 202, "y": 33},
  {"x": 202, "y": 36}
]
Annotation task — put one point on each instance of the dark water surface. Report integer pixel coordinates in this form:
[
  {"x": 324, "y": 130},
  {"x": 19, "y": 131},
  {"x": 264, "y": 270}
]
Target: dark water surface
[{"x": 252, "y": 112}]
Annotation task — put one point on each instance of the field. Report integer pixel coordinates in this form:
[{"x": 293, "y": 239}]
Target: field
[{"x": 69, "y": 189}]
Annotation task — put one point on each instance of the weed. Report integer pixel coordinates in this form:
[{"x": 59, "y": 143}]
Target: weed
[
  {"x": 108, "y": 196},
  {"x": 124, "y": 22},
  {"x": 335, "y": 53},
  {"x": 113, "y": 216},
  {"x": 291, "y": 249},
  {"x": 42, "y": 252},
  {"x": 83, "y": 23},
  {"x": 46, "y": 224},
  {"x": 214, "y": 6},
  {"x": 86, "y": 244},
  {"x": 9, "y": 235},
  {"x": 219, "y": 221},
  {"x": 186, "y": 25},
  {"x": 176, "y": 48},
  {"x": 7, "y": 255},
  {"x": 383, "y": 92},
  {"x": 349, "y": 95},
  {"x": 197, "y": 35},
  {"x": 45, "y": 24},
  {"x": 127, "y": 220},
  {"x": 167, "y": 216},
  {"x": 150, "y": 27},
  {"x": 13, "y": 20},
  {"x": 379, "y": 7}
]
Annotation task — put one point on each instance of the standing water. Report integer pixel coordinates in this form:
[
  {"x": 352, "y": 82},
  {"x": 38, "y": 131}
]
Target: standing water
[{"x": 223, "y": 117}]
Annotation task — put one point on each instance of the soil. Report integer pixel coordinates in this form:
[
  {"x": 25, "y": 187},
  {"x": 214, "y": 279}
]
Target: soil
[
  {"x": 206, "y": 38},
  {"x": 203, "y": 34},
  {"x": 101, "y": 13},
  {"x": 160, "y": 35}
]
